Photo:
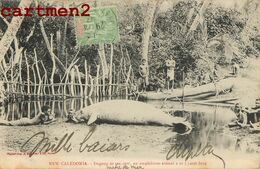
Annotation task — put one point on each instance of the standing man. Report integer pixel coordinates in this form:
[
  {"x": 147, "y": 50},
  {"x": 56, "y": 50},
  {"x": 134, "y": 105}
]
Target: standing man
[
  {"x": 235, "y": 68},
  {"x": 143, "y": 72},
  {"x": 214, "y": 77},
  {"x": 170, "y": 67}
]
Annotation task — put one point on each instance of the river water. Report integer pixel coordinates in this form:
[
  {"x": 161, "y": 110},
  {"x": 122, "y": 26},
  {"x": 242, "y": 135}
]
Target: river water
[{"x": 146, "y": 142}]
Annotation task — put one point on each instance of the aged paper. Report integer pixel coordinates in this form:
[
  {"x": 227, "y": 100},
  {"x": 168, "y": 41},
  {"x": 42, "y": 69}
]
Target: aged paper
[{"x": 139, "y": 84}]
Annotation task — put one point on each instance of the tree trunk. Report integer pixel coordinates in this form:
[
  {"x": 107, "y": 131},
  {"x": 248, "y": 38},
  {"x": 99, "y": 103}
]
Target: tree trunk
[
  {"x": 148, "y": 29},
  {"x": 12, "y": 30},
  {"x": 199, "y": 17},
  {"x": 110, "y": 70},
  {"x": 103, "y": 61},
  {"x": 60, "y": 64}
]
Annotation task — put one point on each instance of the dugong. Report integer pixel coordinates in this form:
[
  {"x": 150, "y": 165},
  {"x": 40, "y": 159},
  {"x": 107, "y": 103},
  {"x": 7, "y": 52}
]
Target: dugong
[{"x": 128, "y": 112}]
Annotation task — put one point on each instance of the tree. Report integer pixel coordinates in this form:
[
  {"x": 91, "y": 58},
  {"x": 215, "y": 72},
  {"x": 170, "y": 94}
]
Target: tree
[
  {"x": 149, "y": 18},
  {"x": 12, "y": 29}
]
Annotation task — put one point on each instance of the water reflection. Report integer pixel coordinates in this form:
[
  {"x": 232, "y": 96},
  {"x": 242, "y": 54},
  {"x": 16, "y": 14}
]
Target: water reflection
[
  {"x": 209, "y": 122},
  {"x": 15, "y": 111}
]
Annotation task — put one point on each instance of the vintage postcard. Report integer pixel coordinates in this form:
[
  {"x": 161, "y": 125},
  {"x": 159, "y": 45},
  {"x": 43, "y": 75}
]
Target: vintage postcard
[{"x": 129, "y": 84}]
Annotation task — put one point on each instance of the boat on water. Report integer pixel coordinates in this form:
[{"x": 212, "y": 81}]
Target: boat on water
[{"x": 195, "y": 93}]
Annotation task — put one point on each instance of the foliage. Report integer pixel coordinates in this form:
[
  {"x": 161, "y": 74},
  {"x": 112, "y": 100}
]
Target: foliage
[
  {"x": 198, "y": 51},
  {"x": 219, "y": 35}
]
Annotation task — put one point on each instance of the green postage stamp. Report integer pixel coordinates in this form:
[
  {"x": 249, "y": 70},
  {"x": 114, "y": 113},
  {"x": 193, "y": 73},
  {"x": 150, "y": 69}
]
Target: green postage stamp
[{"x": 100, "y": 27}]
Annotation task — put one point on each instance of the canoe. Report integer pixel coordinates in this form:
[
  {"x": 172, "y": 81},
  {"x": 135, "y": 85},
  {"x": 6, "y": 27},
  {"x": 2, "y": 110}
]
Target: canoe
[{"x": 200, "y": 92}]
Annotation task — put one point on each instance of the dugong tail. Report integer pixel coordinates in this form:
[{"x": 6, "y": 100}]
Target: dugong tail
[{"x": 182, "y": 127}]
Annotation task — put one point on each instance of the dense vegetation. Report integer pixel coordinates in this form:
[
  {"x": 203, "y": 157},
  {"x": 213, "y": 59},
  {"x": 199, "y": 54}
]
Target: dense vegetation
[{"x": 223, "y": 35}]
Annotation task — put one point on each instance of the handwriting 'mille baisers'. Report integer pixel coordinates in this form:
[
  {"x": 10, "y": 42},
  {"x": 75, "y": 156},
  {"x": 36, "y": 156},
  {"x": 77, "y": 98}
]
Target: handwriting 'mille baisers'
[
  {"x": 48, "y": 11},
  {"x": 44, "y": 145}
]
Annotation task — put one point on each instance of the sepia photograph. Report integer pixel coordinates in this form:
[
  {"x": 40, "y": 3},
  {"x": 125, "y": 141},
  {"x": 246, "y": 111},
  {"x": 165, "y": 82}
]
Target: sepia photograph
[{"x": 139, "y": 84}]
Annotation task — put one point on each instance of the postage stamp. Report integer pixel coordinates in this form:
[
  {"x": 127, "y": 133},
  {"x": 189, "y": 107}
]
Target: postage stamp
[{"x": 100, "y": 27}]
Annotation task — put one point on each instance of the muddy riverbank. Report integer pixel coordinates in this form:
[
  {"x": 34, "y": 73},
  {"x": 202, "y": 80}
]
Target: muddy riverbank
[{"x": 144, "y": 142}]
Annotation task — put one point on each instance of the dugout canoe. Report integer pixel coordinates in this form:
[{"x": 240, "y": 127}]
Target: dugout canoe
[{"x": 200, "y": 92}]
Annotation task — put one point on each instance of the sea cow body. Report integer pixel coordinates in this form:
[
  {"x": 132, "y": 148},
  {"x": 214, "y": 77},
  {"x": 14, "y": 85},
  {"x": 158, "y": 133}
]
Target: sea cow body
[{"x": 129, "y": 112}]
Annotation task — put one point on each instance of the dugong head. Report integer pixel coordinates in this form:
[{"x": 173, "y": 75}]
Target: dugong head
[{"x": 78, "y": 116}]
